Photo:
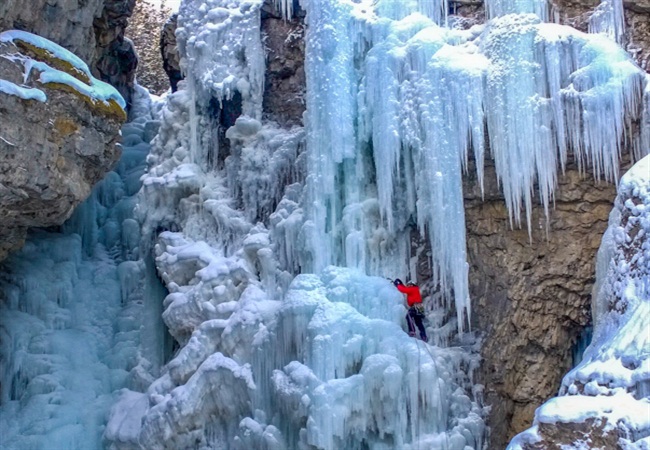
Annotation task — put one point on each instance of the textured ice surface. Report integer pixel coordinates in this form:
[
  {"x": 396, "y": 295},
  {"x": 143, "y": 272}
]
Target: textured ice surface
[
  {"x": 328, "y": 366},
  {"x": 76, "y": 319}
]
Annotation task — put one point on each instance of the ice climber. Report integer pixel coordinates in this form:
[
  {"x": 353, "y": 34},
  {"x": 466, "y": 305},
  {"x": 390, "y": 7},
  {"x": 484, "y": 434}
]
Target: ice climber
[{"x": 415, "y": 313}]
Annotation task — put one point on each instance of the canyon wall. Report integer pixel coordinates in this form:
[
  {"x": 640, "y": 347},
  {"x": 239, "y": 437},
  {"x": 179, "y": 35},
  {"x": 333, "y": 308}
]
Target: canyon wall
[{"x": 531, "y": 295}]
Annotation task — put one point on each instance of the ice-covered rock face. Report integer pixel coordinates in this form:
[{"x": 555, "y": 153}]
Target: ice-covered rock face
[
  {"x": 315, "y": 353},
  {"x": 76, "y": 318},
  {"x": 606, "y": 397}
]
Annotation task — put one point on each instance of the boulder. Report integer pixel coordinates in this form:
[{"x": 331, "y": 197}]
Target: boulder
[{"x": 59, "y": 129}]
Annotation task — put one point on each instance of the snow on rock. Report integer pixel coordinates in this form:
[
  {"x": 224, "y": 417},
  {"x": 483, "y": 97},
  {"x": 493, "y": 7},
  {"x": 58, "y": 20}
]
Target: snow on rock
[
  {"x": 608, "y": 391},
  {"x": 10, "y": 88},
  {"x": 57, "y": 60}
]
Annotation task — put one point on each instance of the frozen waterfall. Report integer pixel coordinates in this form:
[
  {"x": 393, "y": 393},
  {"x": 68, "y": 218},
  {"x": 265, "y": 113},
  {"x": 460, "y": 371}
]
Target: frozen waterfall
[{"x": 272, "y": 244}]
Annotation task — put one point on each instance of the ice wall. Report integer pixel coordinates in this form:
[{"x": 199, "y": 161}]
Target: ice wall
[
  {"x": 397, "y": 104},
  {"x": 268, "y": 239},
  {"x": 77, "y": 322},
  {"x": 610, "y": 385}
]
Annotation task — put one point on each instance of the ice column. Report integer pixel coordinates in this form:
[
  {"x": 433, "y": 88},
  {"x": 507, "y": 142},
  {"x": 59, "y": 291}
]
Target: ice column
[
  {"x": 498, "y": 8},
  {"x": 334, "y": 176},
  {"x": 609, "y": 19}
]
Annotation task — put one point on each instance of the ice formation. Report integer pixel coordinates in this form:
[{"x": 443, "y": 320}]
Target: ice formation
[
  {"x": 273, "y": 243},
  {"x": 71, "y": 315},
  {"x": 608, "y": 18},
  {"x": 395, "y": 103},
  {"x": 611, "y": 383}
]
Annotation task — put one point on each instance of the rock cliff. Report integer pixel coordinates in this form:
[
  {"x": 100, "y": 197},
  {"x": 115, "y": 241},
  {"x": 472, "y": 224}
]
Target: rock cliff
[
  {"x": 58, "y": 133},
  {"x": 285, "y": 83},
  {"x": 603, "y": 402},
  {"x": 147, "y": 30},
  {"x": 531, "y": 296}
]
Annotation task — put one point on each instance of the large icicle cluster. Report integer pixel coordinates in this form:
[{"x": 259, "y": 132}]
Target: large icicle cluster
[
  {"x": 395, "y": 103},
  {"x": 610, "y": 386}
]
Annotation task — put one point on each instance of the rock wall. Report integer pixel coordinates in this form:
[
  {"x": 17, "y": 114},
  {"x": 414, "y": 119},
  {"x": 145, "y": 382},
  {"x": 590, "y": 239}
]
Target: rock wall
[
  {"x": 91, "y": 29},
  {"x": 169, "y": 52},
  {"x": 637, "y": 18},
  {"x": 115, "y": 58},
  {"x": 56, "y": 142},
  {"x": 69, "y": 23},
  {"x": 531, "y": 295},
  {"x": 146, "y": 30},
  {"x": 285, "y": 82}
]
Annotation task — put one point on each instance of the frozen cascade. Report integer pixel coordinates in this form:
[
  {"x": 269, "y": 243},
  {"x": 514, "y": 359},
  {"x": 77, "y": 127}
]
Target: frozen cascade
[
  {"x": 609, "y": 19},
  {"x": 70, "y": 312},
  {"x": 267, "y": 239},
  {"x": 314, "y": 355},
  {"x": 498, "y": 8}
]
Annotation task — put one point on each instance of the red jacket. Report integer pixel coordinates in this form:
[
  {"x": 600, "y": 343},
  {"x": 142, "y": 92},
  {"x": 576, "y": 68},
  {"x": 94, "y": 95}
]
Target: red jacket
[{"x": 413, "y": 295}]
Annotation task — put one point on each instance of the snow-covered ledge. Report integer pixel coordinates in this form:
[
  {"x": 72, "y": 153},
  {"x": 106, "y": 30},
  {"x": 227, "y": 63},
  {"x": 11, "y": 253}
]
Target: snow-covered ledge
[{"x": 604, "y": 402}]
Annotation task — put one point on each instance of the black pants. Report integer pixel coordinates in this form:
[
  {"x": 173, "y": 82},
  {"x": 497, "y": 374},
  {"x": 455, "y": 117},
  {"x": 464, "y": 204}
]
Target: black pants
[{"x": 414, "y": 319}]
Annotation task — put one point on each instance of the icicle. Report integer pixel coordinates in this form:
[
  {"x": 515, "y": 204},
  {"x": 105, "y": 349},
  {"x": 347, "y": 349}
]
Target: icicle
[
  {"x": 609, "y": 19},
  {"x": 642, "y": 144},
  {"x": 285, "y": 7},
  {"x": 498, "y": 8}
]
